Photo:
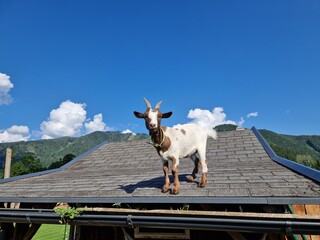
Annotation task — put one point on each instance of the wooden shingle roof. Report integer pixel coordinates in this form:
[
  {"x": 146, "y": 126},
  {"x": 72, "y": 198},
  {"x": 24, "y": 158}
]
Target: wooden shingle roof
[{"x": 240, "y": 171}]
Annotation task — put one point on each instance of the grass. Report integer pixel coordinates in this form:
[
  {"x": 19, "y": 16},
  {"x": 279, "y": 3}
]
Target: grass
[{"x": 51, "y": 232}]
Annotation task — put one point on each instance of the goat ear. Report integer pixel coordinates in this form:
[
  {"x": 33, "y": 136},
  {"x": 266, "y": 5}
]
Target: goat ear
[
  {"x": 138, "y": 114},
  {"x": 166, "y": 115}
]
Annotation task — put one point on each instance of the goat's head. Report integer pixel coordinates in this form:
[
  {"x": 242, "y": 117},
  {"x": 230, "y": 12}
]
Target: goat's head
[{"x": 152, "y": 116}]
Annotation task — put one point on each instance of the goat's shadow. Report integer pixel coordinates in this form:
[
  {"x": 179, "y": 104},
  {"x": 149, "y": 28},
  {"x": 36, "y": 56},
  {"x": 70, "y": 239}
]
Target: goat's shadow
[{"x": 151, "y": 183}]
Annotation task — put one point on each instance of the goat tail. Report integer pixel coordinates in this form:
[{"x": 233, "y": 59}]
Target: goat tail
[{"x": 212, "y": 133}]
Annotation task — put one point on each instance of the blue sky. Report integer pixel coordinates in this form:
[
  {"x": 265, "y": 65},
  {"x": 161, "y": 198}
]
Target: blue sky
[{"x": 72, "y": 67}]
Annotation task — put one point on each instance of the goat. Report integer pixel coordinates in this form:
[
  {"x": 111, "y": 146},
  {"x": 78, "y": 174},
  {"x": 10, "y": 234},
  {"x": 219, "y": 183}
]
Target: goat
[{"x": 181, "y": 141}]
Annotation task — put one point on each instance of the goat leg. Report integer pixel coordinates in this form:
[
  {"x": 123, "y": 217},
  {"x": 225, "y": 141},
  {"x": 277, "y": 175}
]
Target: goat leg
[
  {"x": 166, "y": 186},
  {"x": 195, "y": 170},
  {"x": 203, "y": 180},
  {"x": 175, "y": 173}
]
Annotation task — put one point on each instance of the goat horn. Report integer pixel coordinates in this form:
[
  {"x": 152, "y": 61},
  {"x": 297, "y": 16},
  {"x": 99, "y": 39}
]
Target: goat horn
[
  {"x": 158, "y": 105},
  {"x": 147, "y": 103}
]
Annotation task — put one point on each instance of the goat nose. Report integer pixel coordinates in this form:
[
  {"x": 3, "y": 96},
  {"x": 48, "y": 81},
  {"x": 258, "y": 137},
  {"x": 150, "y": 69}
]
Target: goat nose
[{"x": 152, "y": 125}]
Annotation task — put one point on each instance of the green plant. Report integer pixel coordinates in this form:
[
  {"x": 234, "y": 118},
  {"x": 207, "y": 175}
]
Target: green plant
[
  {"x": 184, "y": 208},
  {"x": 67, "y": 214},
  {"x": 116, "y": 204}
]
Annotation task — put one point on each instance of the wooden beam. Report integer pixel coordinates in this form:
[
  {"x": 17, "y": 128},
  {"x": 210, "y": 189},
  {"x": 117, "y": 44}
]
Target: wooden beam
[
  {"x": 308, "y": 210},
  {"x": 299, "y": 209},
  {"x": 7, "y": 166},
  {"x": 312, "y": 209},
  {"x": 201, "y": 213}
]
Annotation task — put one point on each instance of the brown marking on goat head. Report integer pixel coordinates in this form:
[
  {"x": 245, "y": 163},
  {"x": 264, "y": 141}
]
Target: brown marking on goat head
[{"x": 183, "y": 131}]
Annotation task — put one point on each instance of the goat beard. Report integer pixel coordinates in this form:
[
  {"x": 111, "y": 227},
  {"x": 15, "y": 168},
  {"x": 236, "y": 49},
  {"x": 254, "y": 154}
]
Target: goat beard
[{"x": 153, "y": 131}]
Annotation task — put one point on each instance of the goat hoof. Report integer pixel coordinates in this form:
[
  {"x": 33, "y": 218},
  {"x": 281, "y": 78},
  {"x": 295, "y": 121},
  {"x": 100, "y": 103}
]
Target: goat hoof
[
  {"x": 174, "y": 191},
  {"x": 202, "y": 184},
  {"x": 203, "y": 180},
  {"x": 191, "y": 179},
  {"x": 165, "y": 190}
]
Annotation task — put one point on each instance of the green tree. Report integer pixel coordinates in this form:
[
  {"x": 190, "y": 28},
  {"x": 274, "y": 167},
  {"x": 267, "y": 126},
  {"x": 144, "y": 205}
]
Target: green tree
[
  {"x": 284, "y": 152},
  {"x": 32, "y": 163},
  {"x": 28, "y": 164},
  {"x": 309, "y": 161},
  {"x": 18, "y": 169},
  {"x": 67, "y": 158},
  {"x": 225, "y": 128}
]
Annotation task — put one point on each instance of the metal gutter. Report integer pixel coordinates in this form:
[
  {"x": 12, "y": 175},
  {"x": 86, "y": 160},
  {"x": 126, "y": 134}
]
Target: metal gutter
[
  {"x": 297, "y": 167},
  {"x": 206, "y": 223},
  {"x": 75, "y": 160},
  {"x": 234, "y": 223}
]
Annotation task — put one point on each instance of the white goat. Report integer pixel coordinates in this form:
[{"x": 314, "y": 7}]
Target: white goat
[{"x": 188, "y": 140}]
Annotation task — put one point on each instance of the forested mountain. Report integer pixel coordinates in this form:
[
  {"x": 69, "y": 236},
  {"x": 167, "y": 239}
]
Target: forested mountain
[
  {"x": 301, "y": 149},
  {"x": 49, "y": 151},
  {"x": 35, "y": 156}
]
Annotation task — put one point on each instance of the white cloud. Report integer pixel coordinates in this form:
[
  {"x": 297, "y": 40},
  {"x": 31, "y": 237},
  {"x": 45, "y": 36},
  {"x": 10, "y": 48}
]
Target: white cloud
[
  {"x": 217, "y": 116},
  {"x": 96, "y": 125},
  {"x": 249, "y": 115},
  {"x": 5, "y": 87},
  {"x": 253, "y": 114},
  {"x": 70, "y": 120},
  {"x": 15, "y": 134},
  {"x": 128, "y": 131},
  {"x": 241, "y": 122},
  {"x": 67, "y": 120},
  {"x": 207, "y": 119}
]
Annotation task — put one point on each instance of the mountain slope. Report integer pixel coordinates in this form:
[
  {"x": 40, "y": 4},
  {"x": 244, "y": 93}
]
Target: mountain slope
[
  {"x": 302, "y": 149},
  {"x": 52, "y": 150}
]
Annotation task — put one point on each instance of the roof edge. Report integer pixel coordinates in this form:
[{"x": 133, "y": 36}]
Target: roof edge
[
  {"x": 171, "y": 200},
  {"x": 75, "y": 160},
  {"x": 294, "y": 166}
]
